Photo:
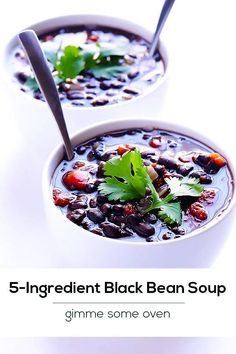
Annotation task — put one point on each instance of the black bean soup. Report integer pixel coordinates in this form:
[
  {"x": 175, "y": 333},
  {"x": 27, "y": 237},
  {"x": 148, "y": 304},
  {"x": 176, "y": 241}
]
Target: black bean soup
[
  {"x": 75, "y": 185},
  {"x": 132, "y": 72}
]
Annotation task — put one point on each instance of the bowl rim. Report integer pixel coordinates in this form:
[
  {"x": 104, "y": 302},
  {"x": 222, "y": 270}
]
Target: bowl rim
[
  {"x": 134, "y": 28},
  {"x": 165, "y": 125}
]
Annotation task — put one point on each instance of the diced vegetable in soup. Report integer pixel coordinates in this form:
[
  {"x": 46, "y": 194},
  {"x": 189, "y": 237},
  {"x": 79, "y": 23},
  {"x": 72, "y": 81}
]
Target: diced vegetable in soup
[
  {"x": 142, "y": 185},
  {"x": 92, "y": 66}
]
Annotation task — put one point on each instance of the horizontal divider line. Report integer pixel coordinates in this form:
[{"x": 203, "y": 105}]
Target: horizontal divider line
[{"x": 116, "y": 303}]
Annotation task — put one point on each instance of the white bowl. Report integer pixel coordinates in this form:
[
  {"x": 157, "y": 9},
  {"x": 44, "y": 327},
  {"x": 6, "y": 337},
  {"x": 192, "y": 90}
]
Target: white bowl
[
  {"x": 82, "y": 248},
  {"x": 33, "y": 116}
]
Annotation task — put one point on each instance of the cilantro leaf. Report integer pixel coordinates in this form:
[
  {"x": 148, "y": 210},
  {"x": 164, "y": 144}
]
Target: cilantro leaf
[
  {"x": 107, "y": 51},
  {"x": 107, "y": 71},
  {"x": 51, "y": 56},
  {"x": 170, "y": 213},
  {"x": 126, "y": 179},
  {"x": 71, "y": 63},
  {"x": 117, "y": 190},
  {"x": 32, "y": 84},
  {"x": 184, "y": 187}
]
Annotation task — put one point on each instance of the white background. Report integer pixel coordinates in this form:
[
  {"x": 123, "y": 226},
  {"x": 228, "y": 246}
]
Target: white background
[{"x": 200, "y": 37}]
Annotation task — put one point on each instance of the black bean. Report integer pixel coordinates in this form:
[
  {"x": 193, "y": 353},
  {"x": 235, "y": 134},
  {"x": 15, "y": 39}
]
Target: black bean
[
  {"x": 203, "y": 177},
  {"x": 150, "y": 239},
  {"x": 154, "y": 158},
  {"x": 147, "y": 153},
  {"x": 211, "y": 167},
  {"x": 118, "y": 209},
  {"x": 80, "y": 78},
  {"x": 167, "y": 236},
  {"x": 100, "y": 171},
  {"x": 160, "y": 169},
  {"x": 117, "y": 134},
  {"x": 117, "y": 219},
  {"x": 150, "y": 218},
  {"x": 22, "y": 77},
  {"x": 105, "y": 85},
  {"x": 106, "y": 208},
  {"x": 91, "y": 156},
  {"x": 133, "y": 219},
  {"x": 146, "y": 136},
  {"x": 116, "y": 84},
  {"x": 133, "y": 73},
  {"x": 201, "y": 159},
  {"x": 75, "y": 95},
  {"x": 91, "y": 85},
  {"x": 108, "y": 155},
  {"x": 206, "y": 179},
  {"x": 38, "y": 96},
  {"x": 126, "y": 232},
  {"x": 76, "y": 216},
  {"x": 122, "y": 77},
  {"x": 95, "y": 215},
  {"x": 157, "y": 56},
  {"x": 80, "y": 202},
  {"x": 100, "y": 101},
  {"x": 197, "y": 174},
  {"x": 167, "y": 161},
  {"x": 172, "y": 144},
  {"x": 77, "y": 103},
  {"x": 90, "y": 97},
  {"x": 62, "y": 96},
  {"x": 101, "y": 199},
  {"x": 132, "y": 131},
  {"x": 178, "y": 230},
  {"x": 81, "y": 149},
  {"x": 87, "y": 225},
  {"x": 111, "y": 93},
  {"x": 99, "y": 149},
  {"x": 93, "y": 203},
  {"x": 111, "y": 230},
  {"x": 97, "y": 231},
  {"x": 98, "y": 181},
  {"x": 145, "y": 202},
  {"x": 19, "y": 55},
  {"x": 163, "y": 190},
  {"x": 131, "y": 91},
  {"x": 184, "y": 170},
  {"x": 90, "y": 188},
  {"x": 144, "y": 230}
]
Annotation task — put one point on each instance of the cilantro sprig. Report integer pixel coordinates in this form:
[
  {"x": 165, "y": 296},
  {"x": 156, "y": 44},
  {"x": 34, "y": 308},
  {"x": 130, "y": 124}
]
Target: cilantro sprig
[
  {"x": 128, "y": 179},
  {"x": 100, "y": 60}
]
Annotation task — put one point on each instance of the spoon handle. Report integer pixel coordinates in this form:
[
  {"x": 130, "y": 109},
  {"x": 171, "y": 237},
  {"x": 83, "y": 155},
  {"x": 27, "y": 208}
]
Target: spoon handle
[
  {"x": 162, "y": 19},
  {"x": 46, "y": 82}
]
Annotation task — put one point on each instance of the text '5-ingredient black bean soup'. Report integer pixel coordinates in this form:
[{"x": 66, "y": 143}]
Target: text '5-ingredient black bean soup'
[
  {"x": 91, "y": 65},
  {"x": 140, "y": 185}
]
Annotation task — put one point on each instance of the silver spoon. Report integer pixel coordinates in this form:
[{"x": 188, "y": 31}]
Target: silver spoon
[
  {"x": 162, "y": 19},
  {"x": 46, "y": 82}
]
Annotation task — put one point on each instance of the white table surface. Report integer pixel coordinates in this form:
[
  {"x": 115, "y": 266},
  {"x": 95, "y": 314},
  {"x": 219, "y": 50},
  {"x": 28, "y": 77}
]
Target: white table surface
[{"x": 200, "y": 37}]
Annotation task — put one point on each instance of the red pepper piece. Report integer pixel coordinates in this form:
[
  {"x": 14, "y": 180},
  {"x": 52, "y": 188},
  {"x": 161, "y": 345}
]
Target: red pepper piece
[{"x": 76, "y": 179}]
